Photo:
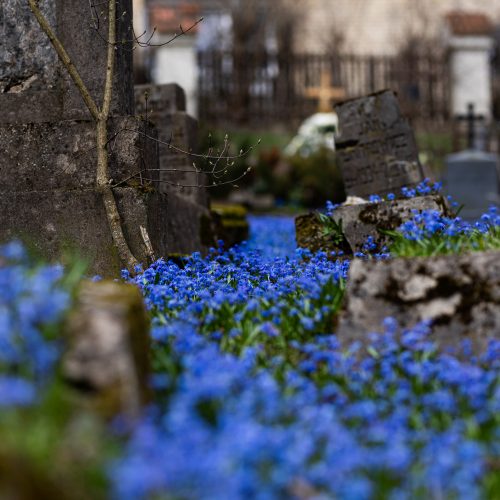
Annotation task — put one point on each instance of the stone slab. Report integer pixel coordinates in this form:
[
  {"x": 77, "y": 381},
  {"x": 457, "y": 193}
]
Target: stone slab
[
  {"x": 166, "y": 109},
  {"x": 60, "y": 223},
  {"x": 31, "y": 77},
  {"x": 62, "y": 155},
  {"x": 472, "y": 179},
  {"x": 108, "y": 358},
  {"x": 188, "y": 228},
  {"x": 376, "y": 147},
  {"x": 459, "y": 293},
  {"x": 358, "y": 222},
  {"x": 161, "y": 100}
]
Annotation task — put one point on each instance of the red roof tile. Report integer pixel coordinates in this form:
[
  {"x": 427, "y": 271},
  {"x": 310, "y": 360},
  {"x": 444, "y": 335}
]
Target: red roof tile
[
  {"x": 463, "y": 23},
  {"x": 169, "y": 19}
]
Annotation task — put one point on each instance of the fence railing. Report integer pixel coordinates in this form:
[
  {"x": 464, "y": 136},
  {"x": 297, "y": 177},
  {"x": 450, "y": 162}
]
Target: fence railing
[{"x": 264, "y": 88}]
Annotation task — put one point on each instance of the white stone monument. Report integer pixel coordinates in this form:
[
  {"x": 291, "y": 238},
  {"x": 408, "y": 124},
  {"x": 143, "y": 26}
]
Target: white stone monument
[{"x": 469, "y": 37}]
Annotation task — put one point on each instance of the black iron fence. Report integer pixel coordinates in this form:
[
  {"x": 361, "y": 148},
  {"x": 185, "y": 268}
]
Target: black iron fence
[{"x": 257, "y": 88}]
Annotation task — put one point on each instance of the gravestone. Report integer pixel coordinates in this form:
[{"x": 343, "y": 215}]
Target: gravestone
[
  {"x": 358, "y": 222},
  {"x": 459, "y": 294},
  {"x": 47, "y": 140},
  {"x": 165, "y": 106},
  {"x": 471, "y": 177},
  {"x": 376, "y": 147},
  {"x": 189, "y": 226},
  {"x": 108, "y": 348}
]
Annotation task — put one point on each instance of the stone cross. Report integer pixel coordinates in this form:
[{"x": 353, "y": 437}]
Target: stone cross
[
  {"x": 325, "y": 93},
  {"x": 471, "y": 118},
  {"x": 376, "y": 148}
]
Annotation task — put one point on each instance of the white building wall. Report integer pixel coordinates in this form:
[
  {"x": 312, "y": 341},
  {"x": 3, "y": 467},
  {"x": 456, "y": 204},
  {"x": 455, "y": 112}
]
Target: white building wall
[
  {"x": 177, "y": 63},
  {"x": 379, "y": 26},
  {"x": 471, "y": 74}
]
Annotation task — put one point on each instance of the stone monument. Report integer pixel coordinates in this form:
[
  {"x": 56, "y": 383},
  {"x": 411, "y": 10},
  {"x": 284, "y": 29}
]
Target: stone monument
[
  {"x": 48, "y": 196},
  {"x": 189, "y": 226},
  {"x": 376, "y": 147}
]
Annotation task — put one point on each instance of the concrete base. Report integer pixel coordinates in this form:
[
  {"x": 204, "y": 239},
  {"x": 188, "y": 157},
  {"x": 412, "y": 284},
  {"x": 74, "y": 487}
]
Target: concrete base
[{"x": 59, "y": 225}]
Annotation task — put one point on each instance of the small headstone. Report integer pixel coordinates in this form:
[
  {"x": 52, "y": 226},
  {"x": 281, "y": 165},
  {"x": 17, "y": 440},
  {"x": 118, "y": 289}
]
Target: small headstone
[
  {"x": 165, "y": 106},
  {"x": 358, "y": 222},
  {"x": 108, "y": 355},
  {"x": 189, "y": 227},
  {"x": 376, "y": 147},
  {"x": 232, "y": 223},
  {"x": 472, "y": 179},
  {"x": 460, "y": 294}
]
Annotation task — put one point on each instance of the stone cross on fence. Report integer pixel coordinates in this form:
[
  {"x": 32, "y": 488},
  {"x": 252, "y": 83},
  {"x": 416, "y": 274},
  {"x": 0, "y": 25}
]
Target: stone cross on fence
[
  {"x": 325, "y": 93},
  {"x": 376, "y": 147}
]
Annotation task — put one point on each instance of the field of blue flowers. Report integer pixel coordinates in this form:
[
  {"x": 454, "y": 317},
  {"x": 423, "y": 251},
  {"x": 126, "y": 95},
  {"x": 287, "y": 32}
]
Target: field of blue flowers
[{"x": 255, "y": 398}]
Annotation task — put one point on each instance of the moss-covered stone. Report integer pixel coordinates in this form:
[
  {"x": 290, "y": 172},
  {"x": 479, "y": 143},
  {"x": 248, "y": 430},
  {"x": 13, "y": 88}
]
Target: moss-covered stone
[
  {"x": 358, "y": 222},
  {"x": 108, "y": 356},
  {"x": 232, "y": 223}
]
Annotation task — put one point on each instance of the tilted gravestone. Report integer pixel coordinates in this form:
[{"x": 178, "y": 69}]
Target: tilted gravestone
[
  {"x": 47, "y": 142},
  {"x": 472, "y": 178},
  {"x": 459, "y": 294},
  {"x": 377, "y": 154},
  {"x": 376, "y": 148}
]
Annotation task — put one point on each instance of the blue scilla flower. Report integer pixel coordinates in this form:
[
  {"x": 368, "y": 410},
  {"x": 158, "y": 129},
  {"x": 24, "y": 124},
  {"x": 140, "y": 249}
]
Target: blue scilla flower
[
  {"x": 32, "y": 300},
  {"x": 16, "y": 391}
]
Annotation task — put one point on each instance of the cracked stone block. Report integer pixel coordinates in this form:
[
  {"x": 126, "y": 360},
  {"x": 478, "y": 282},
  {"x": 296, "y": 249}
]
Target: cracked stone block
[
  {"x": 62, "y": 155},
  {"x": 376, "y": 148},
  {"x": 165, "y": 107},
  {"x": 34, "y": 87},
  {"x": 358, "y": 222},
  {"x": 109, "y": 348},
  {"x": 61, "y": 224},
  {"x": 460, "y": 294}
]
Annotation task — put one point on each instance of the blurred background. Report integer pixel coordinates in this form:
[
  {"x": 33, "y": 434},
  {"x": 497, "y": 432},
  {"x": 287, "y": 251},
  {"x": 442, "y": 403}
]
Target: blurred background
[{"x": 263, "y": 69}]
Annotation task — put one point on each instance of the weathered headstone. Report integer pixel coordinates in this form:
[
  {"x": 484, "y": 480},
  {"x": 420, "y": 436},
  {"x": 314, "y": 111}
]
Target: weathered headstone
[
  {"x": 376, "y": 147},
  {"x": 189, "y": 226},
  {"x": 47, "y": 141},
  {"x": 165, "y": 106},
  {"x": 460, "y": 294},
  {"x": 108, "y": 354},
  {"x": 358, "y": 222},
  {"x": 34, "y": 87},
  {"x": 472, "y": 179}
]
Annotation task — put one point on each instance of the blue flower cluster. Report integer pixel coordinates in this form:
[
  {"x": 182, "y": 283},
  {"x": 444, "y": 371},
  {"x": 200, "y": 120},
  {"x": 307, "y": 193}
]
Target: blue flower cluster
[
  {"x": 430, "y": 233},
  {"x": 260, "y": 402},
  {"x": 31, "y": 302}
]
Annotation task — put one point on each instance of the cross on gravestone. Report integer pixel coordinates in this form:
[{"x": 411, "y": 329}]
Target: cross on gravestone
[
  {"x": 325, "y": 93},
  {"x": 471, "y": 118},
  {"x": 376, "y": 148}
]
